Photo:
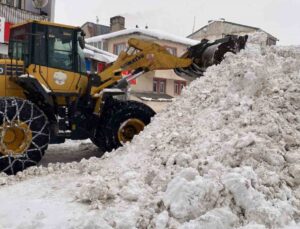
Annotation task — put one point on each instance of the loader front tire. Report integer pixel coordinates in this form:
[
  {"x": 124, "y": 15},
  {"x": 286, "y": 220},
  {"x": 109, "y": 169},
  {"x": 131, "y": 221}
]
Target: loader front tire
[
  {"x": 120, "y": 122},
  {"x": 24, "y": 134}
]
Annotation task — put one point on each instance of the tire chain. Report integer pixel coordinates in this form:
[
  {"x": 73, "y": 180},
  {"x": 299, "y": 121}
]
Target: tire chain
[{"x": 24, "y": 158}]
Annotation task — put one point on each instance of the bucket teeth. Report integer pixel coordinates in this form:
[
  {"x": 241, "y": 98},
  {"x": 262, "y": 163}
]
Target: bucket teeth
[{"x": 206, "y": 54}]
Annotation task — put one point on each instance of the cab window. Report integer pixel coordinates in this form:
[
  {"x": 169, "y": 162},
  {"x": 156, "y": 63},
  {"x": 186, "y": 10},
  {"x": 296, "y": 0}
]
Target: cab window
[
  {"x": 18, "y": 44},
  {"x": 60, "y": 46}
]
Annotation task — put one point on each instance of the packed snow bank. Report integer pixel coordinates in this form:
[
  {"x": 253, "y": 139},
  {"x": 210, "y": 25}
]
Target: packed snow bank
[{"x": 224, "y": 155}]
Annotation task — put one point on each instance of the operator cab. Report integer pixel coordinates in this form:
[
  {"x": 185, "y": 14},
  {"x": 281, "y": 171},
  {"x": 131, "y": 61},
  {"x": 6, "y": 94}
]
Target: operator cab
[{"x": 48, "y": 44}]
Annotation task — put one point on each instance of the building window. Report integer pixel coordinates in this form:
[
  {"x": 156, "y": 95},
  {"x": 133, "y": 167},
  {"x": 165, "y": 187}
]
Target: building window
[
  {"x": 178, "y": 86},
  {"x": 271, "y": 41},
  {"x": 171, "y": 50},
  {"x": 19, "y": 2},
  {"x": 13, "y": 3},
  {"x": 159, "y": 86},
  {"x": 118, "y": 48},
  {"x": 8, "y": 2},
  {"x": 154, "y": 86}
]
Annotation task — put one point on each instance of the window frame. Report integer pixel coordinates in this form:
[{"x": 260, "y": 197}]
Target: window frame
[
  {"x": 180, "y": 84},
  {"x": 43, "y": 45},
  {"x": 71, "y": 52},
  {"x": 270, "y": 41},
  {"x": 74, "y": 51},
  {"x": 158, "y": 82},
  {"x": 115, "y": 45},
  {"x": 19, "y": 43},
  {"x": 168, "y": 48}
]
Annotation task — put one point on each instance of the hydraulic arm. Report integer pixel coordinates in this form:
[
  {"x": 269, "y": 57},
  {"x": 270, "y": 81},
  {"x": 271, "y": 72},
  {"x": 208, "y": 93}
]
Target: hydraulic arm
[{"x": 143, "y": 56}]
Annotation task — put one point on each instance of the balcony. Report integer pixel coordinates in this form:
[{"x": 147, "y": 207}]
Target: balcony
[{"x": 15, "y": 15}]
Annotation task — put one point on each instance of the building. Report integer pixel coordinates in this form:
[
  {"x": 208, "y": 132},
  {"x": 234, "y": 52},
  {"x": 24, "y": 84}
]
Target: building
[
  {"x": 216, "y": 29},
  {"x": 18, "y": 11},
  {"x": 155, "y": 88},
  {"x": 97, "y": 60},
  {"x": 92, "y": 29}
]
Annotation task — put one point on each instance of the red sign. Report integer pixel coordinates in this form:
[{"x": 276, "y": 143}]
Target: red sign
[
  {"x": 100, "y": 67},
  {"x": 7, "y": 31},
  {"x": 4, "y": 30},
  {"x": 133, "y": 82},
  {"x": 125, "y": 73}
]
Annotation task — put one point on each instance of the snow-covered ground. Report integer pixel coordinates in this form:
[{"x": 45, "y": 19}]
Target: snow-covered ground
[
  {"x": 70, "y": 151},
  {"x": 226, "y": 154}
]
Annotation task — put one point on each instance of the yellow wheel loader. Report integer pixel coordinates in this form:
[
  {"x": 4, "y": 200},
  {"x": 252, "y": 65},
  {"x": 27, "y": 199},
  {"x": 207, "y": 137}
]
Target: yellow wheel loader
[{"x": 46, "y": 95}]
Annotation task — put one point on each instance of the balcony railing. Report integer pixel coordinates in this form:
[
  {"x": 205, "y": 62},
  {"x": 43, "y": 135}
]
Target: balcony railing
[{"x": 15, "y": 15}]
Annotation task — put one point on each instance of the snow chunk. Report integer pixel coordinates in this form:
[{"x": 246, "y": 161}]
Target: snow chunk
[
  {"x": 188, "y": 195},
  {"x": 221, "y": 218}
]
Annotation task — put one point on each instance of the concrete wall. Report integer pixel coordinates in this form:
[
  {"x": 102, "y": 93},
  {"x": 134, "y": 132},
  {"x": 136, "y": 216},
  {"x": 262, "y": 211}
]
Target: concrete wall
[{"x": 144, "y": 83}]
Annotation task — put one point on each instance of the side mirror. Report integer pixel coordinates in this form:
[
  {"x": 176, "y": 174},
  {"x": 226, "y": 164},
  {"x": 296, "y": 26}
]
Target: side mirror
[{"x": 81, "y": 42}]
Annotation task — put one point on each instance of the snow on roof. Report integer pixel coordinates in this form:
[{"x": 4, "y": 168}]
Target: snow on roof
[
  {"x": 98, "y": 54},
  {"x": 148, "y": 32},
  {"x": 231, "y": 23}
]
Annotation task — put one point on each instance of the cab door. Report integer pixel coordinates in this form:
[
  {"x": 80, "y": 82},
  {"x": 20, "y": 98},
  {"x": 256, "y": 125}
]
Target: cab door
[
  {"x": 61, "y": 59},
  {"x": 60, "y": 80}
]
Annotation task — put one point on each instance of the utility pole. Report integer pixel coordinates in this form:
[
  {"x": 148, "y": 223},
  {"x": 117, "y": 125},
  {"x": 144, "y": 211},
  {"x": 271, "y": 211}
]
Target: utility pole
[{"x": 194, "y": 24}]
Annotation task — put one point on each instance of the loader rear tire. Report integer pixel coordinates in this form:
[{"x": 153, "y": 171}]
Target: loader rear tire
[
  {"x": 24, "y": 134},
  {"x": 120, "y": 122}
]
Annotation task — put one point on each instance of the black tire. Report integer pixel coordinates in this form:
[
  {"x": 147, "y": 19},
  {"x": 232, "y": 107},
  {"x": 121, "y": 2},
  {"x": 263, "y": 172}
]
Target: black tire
[
  {"x": 15, "y": 110},
  {"x": 115, "y": 113}
]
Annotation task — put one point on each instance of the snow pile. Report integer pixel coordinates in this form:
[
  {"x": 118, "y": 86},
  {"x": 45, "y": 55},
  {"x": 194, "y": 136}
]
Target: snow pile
[
  {"x": 224, "y": 155},
  {"x": 258, "y": 38}
]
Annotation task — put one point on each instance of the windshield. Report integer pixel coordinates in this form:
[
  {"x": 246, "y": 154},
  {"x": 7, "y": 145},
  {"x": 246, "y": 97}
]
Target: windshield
[{"x": 60, "y": 44}]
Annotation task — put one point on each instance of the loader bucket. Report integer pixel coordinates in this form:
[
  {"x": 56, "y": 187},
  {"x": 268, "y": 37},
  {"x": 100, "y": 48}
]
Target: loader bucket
[{"x": 206, "y": 54}]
